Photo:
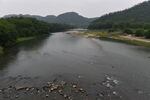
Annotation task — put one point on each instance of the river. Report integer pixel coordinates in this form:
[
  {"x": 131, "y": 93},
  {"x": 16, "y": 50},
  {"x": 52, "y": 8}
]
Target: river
[{"x": 92, "y": 69}]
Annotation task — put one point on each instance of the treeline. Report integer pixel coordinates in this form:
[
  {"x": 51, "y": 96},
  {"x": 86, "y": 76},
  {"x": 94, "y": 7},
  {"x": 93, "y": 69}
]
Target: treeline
[
  {"x": 16, "y": 27},
  {"x": 139, "y": 29}
]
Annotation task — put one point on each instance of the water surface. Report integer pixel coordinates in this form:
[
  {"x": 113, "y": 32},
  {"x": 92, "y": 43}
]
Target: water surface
[{"x": 92, "y": 63}]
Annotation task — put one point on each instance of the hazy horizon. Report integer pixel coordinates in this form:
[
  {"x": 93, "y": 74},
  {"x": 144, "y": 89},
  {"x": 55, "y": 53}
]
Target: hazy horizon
[{"x": 86, "y": 8}]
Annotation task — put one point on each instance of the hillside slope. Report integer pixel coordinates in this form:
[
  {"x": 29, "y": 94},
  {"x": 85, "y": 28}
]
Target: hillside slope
[{"x": 138, "y": 13}]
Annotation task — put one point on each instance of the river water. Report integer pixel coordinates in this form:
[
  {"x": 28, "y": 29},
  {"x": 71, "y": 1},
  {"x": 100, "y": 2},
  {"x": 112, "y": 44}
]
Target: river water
[{"x": 106, "y": 69}]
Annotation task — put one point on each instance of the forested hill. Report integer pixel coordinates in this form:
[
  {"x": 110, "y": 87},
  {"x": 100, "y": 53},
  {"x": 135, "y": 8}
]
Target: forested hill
[
  {"x": 17, "y": 27},
  {"x": 138, "y": 13},
  {"x": 71, "y": 18}
]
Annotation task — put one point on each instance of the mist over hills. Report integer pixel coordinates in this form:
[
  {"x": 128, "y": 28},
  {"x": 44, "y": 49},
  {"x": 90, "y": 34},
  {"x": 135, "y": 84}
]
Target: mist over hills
[{"x": 71, "y": 18}]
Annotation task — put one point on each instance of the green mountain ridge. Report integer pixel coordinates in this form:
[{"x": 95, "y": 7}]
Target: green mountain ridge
[{"x": 71, "y": 18}]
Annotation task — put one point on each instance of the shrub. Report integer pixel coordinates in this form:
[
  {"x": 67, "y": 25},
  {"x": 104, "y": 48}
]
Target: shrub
[
  {"x": 147, "y": 34},
  {"x": 111, "y": 30},
  {"x": 128, "y": 31},
  {"x": 139, "y": 32}
]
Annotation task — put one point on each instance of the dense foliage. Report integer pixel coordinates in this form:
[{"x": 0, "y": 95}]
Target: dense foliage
[
  {"x": 13, "y": 28},
  {"x": 138, "y": 13}
]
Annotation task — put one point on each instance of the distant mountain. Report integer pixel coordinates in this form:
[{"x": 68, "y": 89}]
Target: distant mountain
[
  {"x": 71, "y": 18},
  {"x": 138, "y": 13}
]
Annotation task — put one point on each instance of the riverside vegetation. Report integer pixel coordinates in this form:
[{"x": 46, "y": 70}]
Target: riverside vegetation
[
  {"x": 132, "y": 22},
  {"x": 118, "y": 30},
  {"x": 17, "y": 29}
]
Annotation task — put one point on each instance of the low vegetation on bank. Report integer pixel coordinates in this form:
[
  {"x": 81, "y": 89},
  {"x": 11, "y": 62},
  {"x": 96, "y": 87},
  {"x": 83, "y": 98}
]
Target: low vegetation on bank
[
  {"x": 117, "y": 35},
  {"x": 24, "y": 39},
  {"x": 17, "y": 29}
]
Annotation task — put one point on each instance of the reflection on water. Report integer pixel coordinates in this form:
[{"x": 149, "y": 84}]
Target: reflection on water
[
  {"x": 11, "y": 53},
  {"x": 84, "y": 60}
]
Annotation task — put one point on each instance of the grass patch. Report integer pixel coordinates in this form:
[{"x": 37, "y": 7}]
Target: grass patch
[{"x": 24, "y": 39}]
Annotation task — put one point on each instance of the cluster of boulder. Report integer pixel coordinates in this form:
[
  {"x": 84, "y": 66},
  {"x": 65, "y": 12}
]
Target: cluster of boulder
[{"x": 50, "y": 87}]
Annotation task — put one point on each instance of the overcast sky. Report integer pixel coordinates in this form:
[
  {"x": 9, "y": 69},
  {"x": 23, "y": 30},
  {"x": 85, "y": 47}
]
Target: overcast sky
[{"x": 87, "y": 8}]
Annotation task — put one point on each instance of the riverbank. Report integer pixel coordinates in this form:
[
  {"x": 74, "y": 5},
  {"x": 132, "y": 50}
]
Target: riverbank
[
  {"x": 19, "y": 40},
  {"x": 113, "y": 35}
]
